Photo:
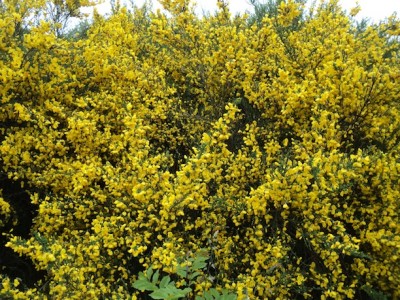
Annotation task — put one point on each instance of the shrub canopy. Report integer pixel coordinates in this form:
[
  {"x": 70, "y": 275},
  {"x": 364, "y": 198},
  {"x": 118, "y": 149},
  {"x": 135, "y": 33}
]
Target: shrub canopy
[{"x": 272, "y": 145}]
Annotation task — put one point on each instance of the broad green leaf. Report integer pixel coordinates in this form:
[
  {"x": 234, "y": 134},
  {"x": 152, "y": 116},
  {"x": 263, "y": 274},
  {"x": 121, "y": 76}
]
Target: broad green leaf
[
  {"x": 161, "y": 294},
  {"x": 149, "y": 272},
  {"x": 155, "y": 277},
  {"x": 206, "y": 296},
  {"x": 165, "y": 281},
  {"x": 181, "y": 271},
  {"x": 170, "y": 292},
  {"x": 228, "y": 297},
  {"x": 199, "y": 263},
  {"x": 194, "y": 275},
  {"x": 187, "y": 290},
  {"x": 215, "y": 293},
  {"x": 177, "y": 292},
  {"x": 144, "y": 285}
]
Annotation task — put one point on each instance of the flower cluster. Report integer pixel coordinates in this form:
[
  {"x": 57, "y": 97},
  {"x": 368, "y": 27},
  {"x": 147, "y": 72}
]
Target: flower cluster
[{"x": 272, "y": 145}]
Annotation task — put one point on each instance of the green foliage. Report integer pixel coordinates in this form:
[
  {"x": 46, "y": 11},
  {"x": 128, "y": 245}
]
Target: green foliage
[
  {"x": 189, "y": 269},
  {"x": 214, "y": 294},
  {"x": 262, "y": 10},
  {"x": 79, "y": 31},
  {"x": 191, "y": 266},
  {"x": 374, "y": 294},
  {"x": 163, "y": 289},
  {"x": 269, "y": 9}
]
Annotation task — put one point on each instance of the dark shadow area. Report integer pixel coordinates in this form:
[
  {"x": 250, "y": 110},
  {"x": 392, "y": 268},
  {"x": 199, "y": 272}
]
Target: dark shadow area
[{"x": 11, "y": 264}]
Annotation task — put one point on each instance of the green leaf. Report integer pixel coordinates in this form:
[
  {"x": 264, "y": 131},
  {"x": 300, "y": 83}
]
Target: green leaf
[
  {"x": 149, "y": 272},
  {"x": 170, "y": 292},
  {"x": 174, "y": 291},
  {"x": 228, "y": 297},
  {"x": 181, "y": 271},
  {"x": 155, "y": 277},
  {"x": 209, "y": 296},
  {"x": 165, "y": 281},
  {"x": 186, "y": 291},
  {"x": 206, "y": 296},
  {"x": 161, "y": 294},
  {"x": 237, "y": 101},
  {"x": 215, "y": 293},
  {"x": 194, "y": 275},
  {"x": 144, "y": 285},
  {"x": 199, "y": 263}
]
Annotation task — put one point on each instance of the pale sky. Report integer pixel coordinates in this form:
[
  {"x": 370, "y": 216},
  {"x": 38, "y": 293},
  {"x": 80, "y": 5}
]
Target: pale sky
[{"x": 376, "y": 10}]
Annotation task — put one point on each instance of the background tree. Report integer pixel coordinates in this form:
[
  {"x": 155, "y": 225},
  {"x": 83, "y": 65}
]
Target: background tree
[{"x": 60, "y": 12}]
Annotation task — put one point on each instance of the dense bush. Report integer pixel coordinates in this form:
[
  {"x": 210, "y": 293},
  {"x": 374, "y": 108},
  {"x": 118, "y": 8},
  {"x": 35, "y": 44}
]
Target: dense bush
[{"x": 267, "y": 147}]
